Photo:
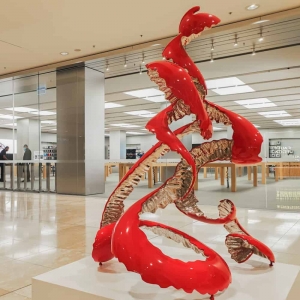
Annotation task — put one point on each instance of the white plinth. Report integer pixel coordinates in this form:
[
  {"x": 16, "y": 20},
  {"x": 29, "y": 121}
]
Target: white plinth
[{"x": 83, "y": 280}]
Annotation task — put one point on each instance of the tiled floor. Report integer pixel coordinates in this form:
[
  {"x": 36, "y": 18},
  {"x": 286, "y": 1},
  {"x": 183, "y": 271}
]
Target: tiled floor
[{"x": 40, "y": 232}]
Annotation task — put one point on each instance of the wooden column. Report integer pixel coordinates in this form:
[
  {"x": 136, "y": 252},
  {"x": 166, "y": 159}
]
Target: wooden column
[
  {"x": 204, "y": 172},
  {"x": 263, "y": 173},
  {"x": 222, "y": 174},
  {"x": 233, "y": 178},
  {"x": 249, "y": 171},
  {"x": 254, "y": 175},
  {"x": 216, "y": 173},
  {"x": 150, "y": 177}
]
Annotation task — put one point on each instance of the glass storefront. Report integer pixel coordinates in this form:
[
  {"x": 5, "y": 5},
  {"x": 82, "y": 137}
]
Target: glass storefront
[{"x": 28, "y": 129}]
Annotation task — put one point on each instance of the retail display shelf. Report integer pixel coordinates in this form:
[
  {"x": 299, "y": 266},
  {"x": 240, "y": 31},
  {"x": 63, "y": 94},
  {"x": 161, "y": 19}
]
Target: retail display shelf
[{"x": 84, "y": 280}]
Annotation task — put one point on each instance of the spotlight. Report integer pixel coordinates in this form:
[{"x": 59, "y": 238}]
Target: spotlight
[
  {"x": 252, "y": 7},
  {"x": 211, "y": 57},
  {"x": 212, "y": 45},
  {"x": 143, "y": 61},
  {"x": 107, "y": 66},
  {"x": 64, "y": 53},
  {"x": 125, "y": 63},
  {"x": 235, "y": 40},
  {"x": 261, "y": 37}
]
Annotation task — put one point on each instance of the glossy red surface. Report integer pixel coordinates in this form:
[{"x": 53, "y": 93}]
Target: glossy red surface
[
  {"x": 247, "y": 140},
  {"x": 180, "y": 83},
  {"x": 131, "y": 246},
  {"x": 102, "y": 245},
  {"x": 259, "y": 245},
  {"x": 177, "y": 53},
  {"x": 194, "y": 23}
]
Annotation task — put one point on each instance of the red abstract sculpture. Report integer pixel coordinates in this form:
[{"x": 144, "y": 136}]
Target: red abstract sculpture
[{"x": 120, "y": 235}]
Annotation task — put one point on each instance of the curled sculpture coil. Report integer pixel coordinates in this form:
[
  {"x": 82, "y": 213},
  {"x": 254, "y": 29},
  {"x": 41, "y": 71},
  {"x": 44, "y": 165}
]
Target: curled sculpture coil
[{"x": 120, "y": 233}]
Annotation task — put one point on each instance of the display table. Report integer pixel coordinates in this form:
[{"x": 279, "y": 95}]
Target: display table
[{"x": 84, "y": 280}]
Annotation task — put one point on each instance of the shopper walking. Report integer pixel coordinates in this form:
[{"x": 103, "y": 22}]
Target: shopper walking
[
  {"x": 27, "y": 156},
  {"x": 3, "y": 157}
]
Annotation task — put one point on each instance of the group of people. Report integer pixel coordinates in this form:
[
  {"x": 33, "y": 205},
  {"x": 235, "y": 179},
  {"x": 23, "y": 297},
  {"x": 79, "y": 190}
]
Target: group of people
[{"x": 26, "y": 156}]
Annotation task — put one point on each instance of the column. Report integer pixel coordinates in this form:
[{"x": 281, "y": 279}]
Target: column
[
  {"x": 80, "y": 131},
  {"x": 117, "y": 144}
]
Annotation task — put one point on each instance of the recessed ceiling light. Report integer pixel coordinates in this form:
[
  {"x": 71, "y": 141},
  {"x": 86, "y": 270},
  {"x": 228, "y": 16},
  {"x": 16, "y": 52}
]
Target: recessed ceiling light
[
  {"x": 43, "y": 113},
  {"x": 252, "y": 7},
  {"x": 141, "y": 113},
  {"x": 145, "y": 93},
  {"x": 125, "y": 125},
  {"x": 135, "y": 133},
  {"x": 288, "y": 122},
  {"x": 223, "y": 82},
  {"x": 154, "y": 45},
  {"x": 64, "y": 53},
  {"x": 217, "y": 128},
  {"x": 48, "y": 122},
  {"x": 256, "y": 103},
  {"x": 9, "y": 117},
  {"x": 22, "y": 109},
  {"x": 233, "y": 90},
  {"x": 275, "y": 114},
  {"x": 156, "y": 99},
  {"x": 112, "y": 105},
  {"x": 77, "y": 50},
  {"x": 260, "y": 21}
]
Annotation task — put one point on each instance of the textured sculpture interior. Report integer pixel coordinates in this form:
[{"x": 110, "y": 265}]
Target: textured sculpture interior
[{"x": 120, "y": 235}]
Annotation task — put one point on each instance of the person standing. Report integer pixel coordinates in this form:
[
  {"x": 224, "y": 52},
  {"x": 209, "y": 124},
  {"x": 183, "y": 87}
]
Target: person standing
[
  {"x": 27, "y": 156},
  {"x": 3, "y": 157}
]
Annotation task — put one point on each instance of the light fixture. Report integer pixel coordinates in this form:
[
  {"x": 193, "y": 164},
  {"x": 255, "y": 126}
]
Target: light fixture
[
  {"x": 9, "y": 117},
  {"x": 144, "y": 93},
  {"x": 48, "y": 122},
  {"x": 164, "y": 58},
  {"x": 124, "y": 125},
  {"x": 234, "y": 90},
  {"x": 141, "y": 113},
  {"x": 275, "y": 114},
  {"x": 108, "y": 105},
  {"x": 288, "y": 122},
  {"x": 235, "y": 40},
  {"x": 256, "y": 103},
  {"x": 77, "y": 50},
  {"x": 156, "y": 99},
  {"x": 260, "y": 21},
  {"x": 107, "y": 66},
  {"x": 211, "y": 57},
  {"x": 256, "y": 126},
  {"x": 155, "y": 45},
  {"x": 143, "y": 59},
  {"x": 212, "y": 45},
  {"x": 134, "y": 133},
  {"x": 223, "y": 82},
  {"x": 252, "y": 7},
  {"x": 217, "y": 128},
  {"x": 43, "y": 113},
  {"x": 22, "y": 109},
  {"x": 253, "y": 50},
  {"x": 125, "y": 63},
  {"x": 64, "y": 53},
  {"x": 261, "y": 38}
]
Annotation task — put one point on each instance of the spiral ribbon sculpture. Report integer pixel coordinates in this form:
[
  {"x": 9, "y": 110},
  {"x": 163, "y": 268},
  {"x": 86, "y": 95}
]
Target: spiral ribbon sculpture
[{"x": 120, "y": 233}]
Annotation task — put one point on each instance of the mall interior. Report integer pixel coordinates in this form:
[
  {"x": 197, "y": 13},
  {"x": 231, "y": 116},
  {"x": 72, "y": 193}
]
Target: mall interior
[{"x": 74, "y": 90}]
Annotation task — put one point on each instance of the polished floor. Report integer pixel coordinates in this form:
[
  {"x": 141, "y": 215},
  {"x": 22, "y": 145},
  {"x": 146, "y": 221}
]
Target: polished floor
[{"x": 41, "y": 232}]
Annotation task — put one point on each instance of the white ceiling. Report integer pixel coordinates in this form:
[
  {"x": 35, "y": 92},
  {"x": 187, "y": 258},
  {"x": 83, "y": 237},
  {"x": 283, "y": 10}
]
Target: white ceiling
[{"x": 33, "y": 33}]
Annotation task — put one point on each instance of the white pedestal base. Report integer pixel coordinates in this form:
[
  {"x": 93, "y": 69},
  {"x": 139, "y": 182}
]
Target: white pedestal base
[{"x": 83, "y": 280}]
